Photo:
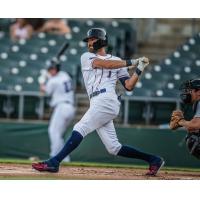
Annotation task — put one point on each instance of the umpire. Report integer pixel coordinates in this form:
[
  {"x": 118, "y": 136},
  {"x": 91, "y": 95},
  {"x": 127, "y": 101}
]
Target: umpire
[{"x": 190, "y": 94}]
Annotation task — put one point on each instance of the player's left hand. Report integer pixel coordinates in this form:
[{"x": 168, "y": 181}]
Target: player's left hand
[{"x": 142, "y": 61}]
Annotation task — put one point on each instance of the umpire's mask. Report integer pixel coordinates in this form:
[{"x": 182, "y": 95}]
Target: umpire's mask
[{"x": 186, "y": 88}]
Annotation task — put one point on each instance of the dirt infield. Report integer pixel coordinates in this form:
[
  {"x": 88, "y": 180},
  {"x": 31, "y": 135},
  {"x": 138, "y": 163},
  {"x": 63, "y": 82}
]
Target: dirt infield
[{"x": 24, "y": 171}]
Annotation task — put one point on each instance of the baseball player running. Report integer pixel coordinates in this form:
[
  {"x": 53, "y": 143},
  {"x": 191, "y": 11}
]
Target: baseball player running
[
  {"x": 59, "y": 87},
  {"x": 101, "y": 72}
]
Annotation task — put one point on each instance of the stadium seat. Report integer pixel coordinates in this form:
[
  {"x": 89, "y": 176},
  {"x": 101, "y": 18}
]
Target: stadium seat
[
  {"x": 150, "y": 84},
  {"x": 18, "y": 56},
  {"x": 174, "y": 93},
  {"x": 5, "y": 38},
  {"x": 142, "y": 92},
  {"x": 29, "y": 71},
  {"x": 4, "y": 47},
  {"x": 35, "y": 64},
  {"x": 5, "y": 23},
  {"x": 180, "y": 65},
  {"x": 31, "y": 87}
]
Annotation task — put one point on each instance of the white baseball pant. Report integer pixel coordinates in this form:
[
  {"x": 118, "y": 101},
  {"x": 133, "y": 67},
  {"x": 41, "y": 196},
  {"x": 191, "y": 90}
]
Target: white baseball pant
[
  {"x": 61, "y": 117},
  {"x": 103, "y": 109}
]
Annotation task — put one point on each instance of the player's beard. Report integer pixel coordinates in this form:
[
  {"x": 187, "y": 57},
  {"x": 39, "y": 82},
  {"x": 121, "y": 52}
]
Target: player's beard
[{"x": 91, "y": 50}]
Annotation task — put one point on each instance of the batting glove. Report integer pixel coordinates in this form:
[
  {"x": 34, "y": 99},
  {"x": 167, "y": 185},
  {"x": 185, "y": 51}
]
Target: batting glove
[
  {"x": 144, "y": 60},
  {"x": 143, "y": 63},
  {"x": 132, "y": 63}
]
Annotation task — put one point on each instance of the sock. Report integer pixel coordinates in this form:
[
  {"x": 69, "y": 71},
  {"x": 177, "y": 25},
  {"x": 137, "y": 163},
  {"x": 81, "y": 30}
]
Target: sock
[
  {"x": 69, "y": 146},
  {"x": 130, "y": 152}
]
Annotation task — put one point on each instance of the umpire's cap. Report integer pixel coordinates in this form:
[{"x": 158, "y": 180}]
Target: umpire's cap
[{"x": 98, "y": 33}]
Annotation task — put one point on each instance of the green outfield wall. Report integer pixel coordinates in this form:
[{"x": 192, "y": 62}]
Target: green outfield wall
[{"x": 24, "y": 140}]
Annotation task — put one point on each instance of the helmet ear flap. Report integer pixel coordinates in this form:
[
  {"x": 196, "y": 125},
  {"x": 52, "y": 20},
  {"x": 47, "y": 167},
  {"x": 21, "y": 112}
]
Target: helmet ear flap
[{"x": 54, "y": 63}]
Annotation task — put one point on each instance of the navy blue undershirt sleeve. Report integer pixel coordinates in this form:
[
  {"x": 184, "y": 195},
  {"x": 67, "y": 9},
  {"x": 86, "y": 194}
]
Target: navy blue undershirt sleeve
[{"x": 122, "y": 80}]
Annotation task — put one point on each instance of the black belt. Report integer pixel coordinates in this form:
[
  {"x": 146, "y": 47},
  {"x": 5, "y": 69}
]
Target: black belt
[
  {"x": 69, "y": 102},
  {"x": 96, "y": 93}
]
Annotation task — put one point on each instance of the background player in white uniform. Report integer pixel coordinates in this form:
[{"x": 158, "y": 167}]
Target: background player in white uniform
[
  {"x": 101, "y": 72},
  {"x": 59, "y": 87}
]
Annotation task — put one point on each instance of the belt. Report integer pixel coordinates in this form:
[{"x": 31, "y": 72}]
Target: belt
[
  {"x": 69, "y": 102},
  {"x": 96, "y": 93}
]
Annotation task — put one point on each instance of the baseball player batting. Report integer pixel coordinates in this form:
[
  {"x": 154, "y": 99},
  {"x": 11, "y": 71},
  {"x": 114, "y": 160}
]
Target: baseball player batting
[
  {"x": 101, "y": 72},
  {"x": 59, "y": 87}
]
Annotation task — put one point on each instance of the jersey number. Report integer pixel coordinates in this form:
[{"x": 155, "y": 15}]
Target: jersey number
[
  {"x": 68, "y": 86},
  {"x": 109, "y": 74}
]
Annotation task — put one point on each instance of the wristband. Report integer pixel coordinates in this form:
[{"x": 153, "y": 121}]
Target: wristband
[
  {"x": 128, "y": 63},
  {"x": 138, "y": 72}
]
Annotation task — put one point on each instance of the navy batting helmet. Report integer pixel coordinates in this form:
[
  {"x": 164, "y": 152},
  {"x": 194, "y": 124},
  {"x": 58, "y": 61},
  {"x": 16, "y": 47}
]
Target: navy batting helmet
[
  {"x": 186, "y": 87},
  {"x": 54, "y": 63},
  {"x": 100, "y": 34}
]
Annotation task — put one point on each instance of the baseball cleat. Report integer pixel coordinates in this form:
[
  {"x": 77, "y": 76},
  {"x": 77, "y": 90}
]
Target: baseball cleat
[
  {"x": 45, "y": 166},
  {"x": 155, "y": 167}
]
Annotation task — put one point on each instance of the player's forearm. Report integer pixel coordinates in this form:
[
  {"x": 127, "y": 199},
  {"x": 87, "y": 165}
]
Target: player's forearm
[
  {"x": 193, "y": 124},
  {"x": 112, "y": 64},
  {"x": 130, "y": 83}
]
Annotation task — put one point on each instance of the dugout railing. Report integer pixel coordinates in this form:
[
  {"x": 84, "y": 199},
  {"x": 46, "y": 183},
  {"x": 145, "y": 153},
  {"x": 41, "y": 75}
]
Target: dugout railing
[{"x": 141, "y": 110}]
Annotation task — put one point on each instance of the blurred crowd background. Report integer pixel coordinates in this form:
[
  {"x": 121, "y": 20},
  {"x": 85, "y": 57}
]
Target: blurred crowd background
[{"x": 28, "y": 44}]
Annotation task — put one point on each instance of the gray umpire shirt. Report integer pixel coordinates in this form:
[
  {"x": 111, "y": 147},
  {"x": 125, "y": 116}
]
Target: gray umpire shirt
[{"x": 197, "y": 112}]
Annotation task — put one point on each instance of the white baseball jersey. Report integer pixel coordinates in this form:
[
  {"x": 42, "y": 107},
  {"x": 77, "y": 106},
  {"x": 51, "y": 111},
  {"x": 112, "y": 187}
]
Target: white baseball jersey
[
  {"x": 97, "y": 79},
  {"x": 60, "y": 88},
  {"x": 103, "y": 107}
]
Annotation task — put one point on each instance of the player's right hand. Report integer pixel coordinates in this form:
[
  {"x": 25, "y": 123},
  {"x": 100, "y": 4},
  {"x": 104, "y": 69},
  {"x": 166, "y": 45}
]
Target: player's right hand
[
  {"x": 143, "y": 63},
  {"x": 144, "y": 60},
  {"x": 134, "y": 63}
]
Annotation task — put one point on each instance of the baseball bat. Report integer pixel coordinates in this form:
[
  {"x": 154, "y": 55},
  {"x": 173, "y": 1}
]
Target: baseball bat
[{"x": 62, "y": 50}]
